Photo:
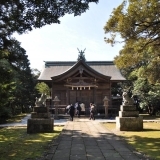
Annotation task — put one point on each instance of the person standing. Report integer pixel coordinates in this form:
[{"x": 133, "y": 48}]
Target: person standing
[
  {"x": 82, "y": 105},
  {"x": 78, "y": 110},
  {"x": 71, "y": 112},
  {"x": 92, "y": 112}
]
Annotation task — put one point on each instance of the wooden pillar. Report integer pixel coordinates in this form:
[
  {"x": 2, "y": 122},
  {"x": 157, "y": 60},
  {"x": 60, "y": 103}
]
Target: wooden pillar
[
  {"x": 95, "y": 95},
  {"x": 52, "y": 94},
  {"x": 67, "y": 96},
  {"x": 110, "y": 96}
]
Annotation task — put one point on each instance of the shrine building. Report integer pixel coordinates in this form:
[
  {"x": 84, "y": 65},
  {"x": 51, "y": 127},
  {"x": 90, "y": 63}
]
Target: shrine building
[{"x": 81, "y": 81}]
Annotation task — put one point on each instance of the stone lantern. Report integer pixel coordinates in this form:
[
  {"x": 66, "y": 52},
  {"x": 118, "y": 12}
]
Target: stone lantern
[
  {"x": 56, "y": 103},
  {"x": 106, "y": 100}
]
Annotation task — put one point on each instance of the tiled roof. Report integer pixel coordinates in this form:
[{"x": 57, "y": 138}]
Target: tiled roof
[{"x": 55, "y": 68}]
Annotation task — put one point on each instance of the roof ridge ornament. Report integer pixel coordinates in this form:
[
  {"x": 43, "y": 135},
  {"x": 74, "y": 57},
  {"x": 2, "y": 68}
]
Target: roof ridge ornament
[
  {"x": 81, "y": 55},
  {"x": 81, "y": 70}
]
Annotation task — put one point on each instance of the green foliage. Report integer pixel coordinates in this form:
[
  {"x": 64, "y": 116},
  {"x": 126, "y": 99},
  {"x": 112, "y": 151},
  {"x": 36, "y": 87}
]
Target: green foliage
[
  {"x": 117, "y": 89},
  {"x": 138, "y": 25},
  {"x": 43, "y": 88},
  {"x": 23, "y": 16},
  {"x": 5, "y": 112},
  {"x": 134, "y": 20},
  {"x": 7, "y": 86},
  {"x": 17, "y": 81},
  {"x": 16, "y": 118},
  {"x": 148, "y": 93}
]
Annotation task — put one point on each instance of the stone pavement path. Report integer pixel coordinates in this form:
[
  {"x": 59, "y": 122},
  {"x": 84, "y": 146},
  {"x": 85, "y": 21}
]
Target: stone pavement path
[
  {"x": 89, "y": 140},
  {"x": 24, "y": 122}
]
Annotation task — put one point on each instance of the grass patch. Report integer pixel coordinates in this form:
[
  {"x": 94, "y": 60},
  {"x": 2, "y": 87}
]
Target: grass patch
[
  {"x": 16, "y": 144},
  {"x": 16, "y": 118},
  {"x": 146, "y": 141}
]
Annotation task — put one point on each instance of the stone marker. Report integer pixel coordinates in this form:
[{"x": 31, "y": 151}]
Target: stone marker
[
  {"x": 40, "y": 121},
  {"x": 129, "y": 119}
]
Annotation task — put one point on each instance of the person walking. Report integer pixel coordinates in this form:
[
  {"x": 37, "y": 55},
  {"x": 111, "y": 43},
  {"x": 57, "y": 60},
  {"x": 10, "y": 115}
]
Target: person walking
[
  {"x": 71, "y": 112},
  {"x": 75, "y": 107},
  {"x": 67, "y": 108},
  {"x": 92, "y": 111}
]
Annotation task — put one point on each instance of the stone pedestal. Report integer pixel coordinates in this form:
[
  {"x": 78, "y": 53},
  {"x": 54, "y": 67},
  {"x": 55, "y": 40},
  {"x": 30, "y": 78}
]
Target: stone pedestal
[
  {"x": 129, "y": 119},
  {"x": 40, "y": 125},
  {"x": 41, "y": 121}
]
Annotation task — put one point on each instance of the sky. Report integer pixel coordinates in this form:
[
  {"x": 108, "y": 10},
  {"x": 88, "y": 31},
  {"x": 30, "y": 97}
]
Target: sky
[{"x": 60, "y": 42}]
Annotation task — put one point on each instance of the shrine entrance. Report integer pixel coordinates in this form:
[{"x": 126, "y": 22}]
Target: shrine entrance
[
  {"x": 82, "y": 84},
  {"x": 82, "y": 96}
]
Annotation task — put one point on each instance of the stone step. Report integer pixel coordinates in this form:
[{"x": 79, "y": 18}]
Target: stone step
[
  {"x": 128, "y": 113},
  {"x": 41, "y": 109},
  {"x": 128, "y": 108}
]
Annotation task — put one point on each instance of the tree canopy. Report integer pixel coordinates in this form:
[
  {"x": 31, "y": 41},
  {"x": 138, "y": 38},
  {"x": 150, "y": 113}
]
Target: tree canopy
[
  {"x": 137, "y": 23},
  {"x": 24, "y": 15},
  {"x": 17, "y": 80},
  {"x": 43, "y": 88},
  {"x": 135, "y": 20}
]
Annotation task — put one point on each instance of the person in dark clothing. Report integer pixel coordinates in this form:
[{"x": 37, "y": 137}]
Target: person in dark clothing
[
  {"x": 71, "y": 112},
  {"x": 78, "y": 110}
]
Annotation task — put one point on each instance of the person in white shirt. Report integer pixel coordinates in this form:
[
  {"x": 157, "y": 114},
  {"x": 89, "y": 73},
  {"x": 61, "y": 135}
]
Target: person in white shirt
[
  {"x": 82, "y": 105},
  {"x": 92, "y": 111}
]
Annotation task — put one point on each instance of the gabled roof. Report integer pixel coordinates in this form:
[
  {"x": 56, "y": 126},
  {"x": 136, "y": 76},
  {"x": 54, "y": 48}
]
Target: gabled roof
[
  {"x": 81, "y": 64},
  {"x": 56, "y": 69}
]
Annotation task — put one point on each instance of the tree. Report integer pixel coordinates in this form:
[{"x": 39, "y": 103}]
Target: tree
[
  {"x": 16, "y": 82},
  {"x": 43, "y": 88},
  {"x": 7, "y": 87},
  {"x": 35, "y": 73},
  {"x": 22, "y": 16},
  {"x": 135, "y": 20},
  {"x": 147, "y": 93},
  {"x": 138, "y": 25}
]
